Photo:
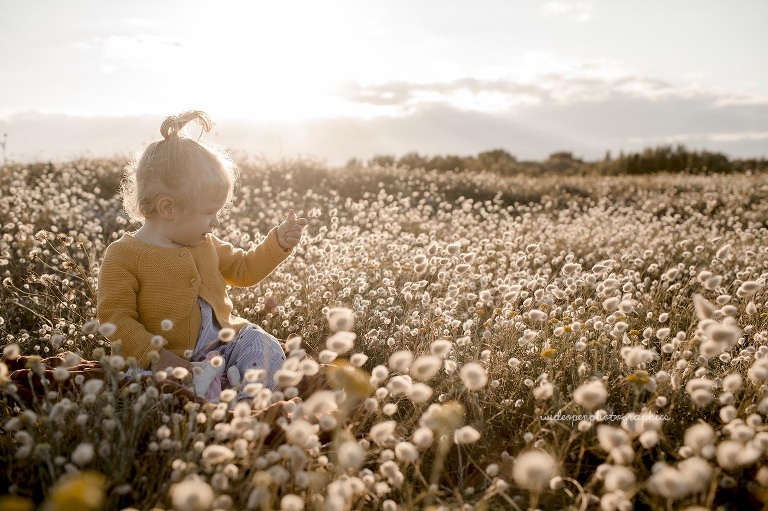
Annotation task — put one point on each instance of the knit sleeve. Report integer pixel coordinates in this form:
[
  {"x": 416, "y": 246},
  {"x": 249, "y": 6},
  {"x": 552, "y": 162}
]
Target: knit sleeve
[
  {"x": 241, "y": 268},
  {"x": 116, "y": 303}
]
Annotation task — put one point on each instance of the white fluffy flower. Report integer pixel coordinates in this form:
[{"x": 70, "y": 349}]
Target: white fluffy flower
[
  {"x": 193, "y": 494},
  {"x": 340, "y": 318},
  {"x": 698, "y": 436},
  {"x": 441, "y": 347},
  {"x": 474, "y": 376},
  {"x": 619, "y": 478},
  {"x": 533, "y": 470},
  {"x": 466, "y": 435},
  {"x": 217, "y": 454},
  {"x": 610, "y": 437},
  {"x": 341, "y": 342},
  {"x": 407, "y": 452},
  {"x": 425, "y": 367},
  {"x": 291, "y": 502},
  {"x": 83, "y": 454},
  {"x": 399, "y": 361},
  {"x": 383, "y": 432},
  {"x": 544, "y": 391},
  {"x": 350, "y": 454},
  {"x": 591, "y": 395}
]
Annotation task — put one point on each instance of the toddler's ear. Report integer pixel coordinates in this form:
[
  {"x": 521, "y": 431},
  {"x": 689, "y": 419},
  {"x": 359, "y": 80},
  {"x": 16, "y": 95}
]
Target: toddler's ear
[{"x": 165, "y": 208}]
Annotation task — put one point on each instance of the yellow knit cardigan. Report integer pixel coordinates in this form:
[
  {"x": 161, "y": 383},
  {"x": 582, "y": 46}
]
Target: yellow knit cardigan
[{"x": 141, "y": 284}]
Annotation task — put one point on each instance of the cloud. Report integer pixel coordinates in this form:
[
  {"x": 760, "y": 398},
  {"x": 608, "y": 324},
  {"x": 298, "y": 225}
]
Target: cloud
[
  {"x": 588, "y": 129},
  {"x": 582, "y": 114},
  {"x": 470, "y": 91},
  {"x": 574, "y": 87},
  {"x": 576, "y": 11},
  {"x": 139, "y": 47},
  {"x": 586, "y": 87}
]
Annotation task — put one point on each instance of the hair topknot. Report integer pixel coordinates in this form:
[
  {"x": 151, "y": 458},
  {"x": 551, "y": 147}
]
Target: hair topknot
[
  {"x": 178, "y": 167},
  {"x": 172, "y": 125}
]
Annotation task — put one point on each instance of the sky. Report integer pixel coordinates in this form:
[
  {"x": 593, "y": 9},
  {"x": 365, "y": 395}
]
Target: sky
[{"x": 333, "y": 80}]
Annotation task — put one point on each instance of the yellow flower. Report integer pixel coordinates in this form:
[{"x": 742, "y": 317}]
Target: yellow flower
[
  {"x": 567, "y": 328},
  {"x": 634, "y": 332},
  {"x": 480, "y": 312},
  {"x": 83, "y": 491},
  {"x": 639, "y": 377},
  {"x": 16, "y": 503},
  {"x": 553, "y": 320},
  {"x": 355, "y": 382},
  {"x": 549, "y": 353}
]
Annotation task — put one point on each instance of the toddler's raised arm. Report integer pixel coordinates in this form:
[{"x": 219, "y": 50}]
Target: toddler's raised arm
[{"x": 241, "y": 268}]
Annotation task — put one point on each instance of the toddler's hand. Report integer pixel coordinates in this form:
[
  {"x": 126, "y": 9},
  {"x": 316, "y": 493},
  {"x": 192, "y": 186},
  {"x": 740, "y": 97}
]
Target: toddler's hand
[
  {"x": 202, "y": 381},
  {"x": 289, "y": 231}
]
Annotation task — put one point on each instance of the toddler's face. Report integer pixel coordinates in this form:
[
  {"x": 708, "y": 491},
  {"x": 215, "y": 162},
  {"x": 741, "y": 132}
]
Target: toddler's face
[{"x": 191, "y": 227}]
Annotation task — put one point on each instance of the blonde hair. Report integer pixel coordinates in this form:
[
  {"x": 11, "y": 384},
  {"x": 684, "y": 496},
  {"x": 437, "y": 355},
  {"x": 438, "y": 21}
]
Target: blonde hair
[{"x": 177, "y": 167}]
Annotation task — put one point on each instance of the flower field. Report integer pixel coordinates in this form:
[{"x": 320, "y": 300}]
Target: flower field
[{"x": 489, "y": 343}]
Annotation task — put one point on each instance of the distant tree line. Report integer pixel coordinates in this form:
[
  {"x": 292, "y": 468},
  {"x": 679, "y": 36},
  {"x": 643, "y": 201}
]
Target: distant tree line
[{"x": 666, "y": 158}]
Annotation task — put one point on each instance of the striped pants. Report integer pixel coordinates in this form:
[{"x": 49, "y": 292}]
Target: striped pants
[{"x": 251, "y": 348}]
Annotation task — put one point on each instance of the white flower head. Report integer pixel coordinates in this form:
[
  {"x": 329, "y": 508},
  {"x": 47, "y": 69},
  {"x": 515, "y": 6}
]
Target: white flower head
[
  {"x": 350, "y": 454},
  {"x": 11, "y": 352},
  {"x": 533, "y": 470},
  {"x": 591, "y": 395},
  {"x": 226, "y": 334},
  {"x": 544, "y": 391},
  {"x": 474, "y": 376},
  {"x": 299, "y": 432},
  {"x": 425, "y": 367},
  {"x": 400, "y": 361},
  {"x": 291, "y": 502},
  {"x": 420, "y": 393},
  {"x": 340, "y": 318},
  {"x": 193, "y": 494},
  {"x": 383, "y": 432},
  {"x": 107, "y": 329},
  {"x": 749, "y": 288},
  {"x": 441, "y": 347},
  {"x": 218, "y": 454},
  {"x": 83, "y": 454},
  {"x": 466, "y": 435},
  {"x": 341, "y": 342},
  {"x": 611, "y": 438},
  {"x": 406, "y": 452},
  {"x": 619, "y": 477}
]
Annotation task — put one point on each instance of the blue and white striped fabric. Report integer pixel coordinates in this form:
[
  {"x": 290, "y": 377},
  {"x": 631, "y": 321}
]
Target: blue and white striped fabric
[{"x": 252, "y": 347}]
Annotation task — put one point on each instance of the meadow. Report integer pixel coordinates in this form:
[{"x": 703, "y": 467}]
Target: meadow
[{"x": 492, "y": 342}]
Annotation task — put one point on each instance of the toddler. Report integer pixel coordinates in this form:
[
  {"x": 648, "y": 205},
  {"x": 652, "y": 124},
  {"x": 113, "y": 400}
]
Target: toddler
[{"x": 169, "y": 277}]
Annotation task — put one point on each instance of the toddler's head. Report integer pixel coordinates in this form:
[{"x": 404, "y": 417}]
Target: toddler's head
[{"x": 178, "y": 167}]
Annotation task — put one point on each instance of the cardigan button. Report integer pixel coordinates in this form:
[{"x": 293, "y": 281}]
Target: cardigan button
[
  {"x": 183, "y": 253},
  {"x": 192, "y": 281}
]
